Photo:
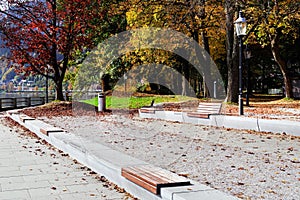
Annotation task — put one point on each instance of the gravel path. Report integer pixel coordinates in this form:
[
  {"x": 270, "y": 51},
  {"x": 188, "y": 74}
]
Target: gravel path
[{"x": 249, "y": 165}]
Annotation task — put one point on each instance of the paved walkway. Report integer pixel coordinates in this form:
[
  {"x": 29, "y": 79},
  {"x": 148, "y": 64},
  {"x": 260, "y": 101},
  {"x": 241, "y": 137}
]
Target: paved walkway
[{"x": 31, "y": 170}]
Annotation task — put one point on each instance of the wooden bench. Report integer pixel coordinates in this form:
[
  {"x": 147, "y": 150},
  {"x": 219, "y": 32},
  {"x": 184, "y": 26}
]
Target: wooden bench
[
  {"x": 153, "y": 178},
  {"x": 205, "y": 109},
  {"x": 47, "y": 130},
  {"x": 24, "y": 118},
  {"x": 151, "y": 108}
]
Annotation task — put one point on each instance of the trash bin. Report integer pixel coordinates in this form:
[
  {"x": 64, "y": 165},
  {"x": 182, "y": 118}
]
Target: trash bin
[{"x": 101, "y": 102}]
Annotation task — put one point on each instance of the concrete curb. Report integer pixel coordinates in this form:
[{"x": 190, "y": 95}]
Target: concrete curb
[
  {"x": 236, "y": 122},
  {"x": 108, "y": 162}
]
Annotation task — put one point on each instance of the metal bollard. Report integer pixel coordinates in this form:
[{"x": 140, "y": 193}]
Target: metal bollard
[
  {"x": 101, "y": 102},
  {"x": 215, "y": 89}
]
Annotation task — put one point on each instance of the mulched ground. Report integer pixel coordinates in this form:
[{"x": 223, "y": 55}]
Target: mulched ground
[
  {"x": 55, "y": 109},
  {"x": 262, "y": 107},
  {"x": 278, "y": 109},
  {"x": 51, "y": 109}
]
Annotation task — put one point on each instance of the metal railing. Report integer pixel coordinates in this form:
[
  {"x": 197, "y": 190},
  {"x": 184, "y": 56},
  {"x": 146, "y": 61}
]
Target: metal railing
[{"x": 22, "y": 102}]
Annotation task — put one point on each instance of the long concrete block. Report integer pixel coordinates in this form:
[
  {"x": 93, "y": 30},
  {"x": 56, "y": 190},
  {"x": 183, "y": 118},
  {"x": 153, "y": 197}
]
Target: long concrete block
[
  {"x": 203, "y": 195},
  {"x": 147, "y": 115},
  {"x": 41, "y": 129},
  {"x": 236, "y": 122},
  {"x": 30, "y": 125},
  {"x": 240, "y": 122},
  {"x": 168, "y": 193},
  {"x": 196, "y": 120},
  {"x": 104, "y": 161},
  {"x": 169, "y": 115},
  {"x": 279, "y": 126}
]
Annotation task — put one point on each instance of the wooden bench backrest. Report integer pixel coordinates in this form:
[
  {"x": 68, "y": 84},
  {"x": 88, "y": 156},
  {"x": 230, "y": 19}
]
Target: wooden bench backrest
[
  {"x": 205, "y": 109},
  {"x": 209, "y": 108}
]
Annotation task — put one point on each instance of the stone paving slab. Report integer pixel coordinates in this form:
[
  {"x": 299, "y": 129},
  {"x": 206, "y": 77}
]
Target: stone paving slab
[{"x": 30, "y": 170}]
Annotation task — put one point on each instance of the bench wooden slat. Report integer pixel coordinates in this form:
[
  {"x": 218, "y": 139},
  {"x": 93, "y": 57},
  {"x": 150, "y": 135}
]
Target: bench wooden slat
[
  {"x": 204, "y": 110},
  {"x": 138, "y": 181},
  {"x": 162, "y": 174},
  {"x": 209, "y": 106},
  {"x": 150, "y": 109},
  {"x": 153, "y": 178},
  {"x": 158, "y": 174},
  {"x": 207, "y": 110},
  {"x": 147, "y": 177},
  {"x": 197, "y": 115},
  {"x": 147, "y": 110}
]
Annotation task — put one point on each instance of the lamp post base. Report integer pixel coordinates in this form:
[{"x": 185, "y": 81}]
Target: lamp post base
[{"x": 241, "y": 109}]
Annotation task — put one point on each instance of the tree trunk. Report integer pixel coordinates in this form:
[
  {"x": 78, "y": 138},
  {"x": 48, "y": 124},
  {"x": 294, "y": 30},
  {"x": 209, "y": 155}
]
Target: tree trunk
[
  {"x": 207, "y": 72},
  {"x": 59, "y": 89},
  {"x": 59, "y": 78},
  {"x": 282, "y": 65},
  {"x": 207, "y": 80},
  {"x": 105, "y": 82},
  {"x": 232, "y": 53},
  {"x": 203, "y": 59}
]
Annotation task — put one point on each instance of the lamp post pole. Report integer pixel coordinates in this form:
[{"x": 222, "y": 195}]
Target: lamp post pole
[
  {"x": 241, "y": 109},
  {"x": 240, "y": 27},
  {"x": 47, "y": 87}
]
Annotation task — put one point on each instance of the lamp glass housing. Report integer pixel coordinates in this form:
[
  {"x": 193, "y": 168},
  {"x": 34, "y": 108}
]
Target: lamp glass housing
[{"x": 240, "y": 25}]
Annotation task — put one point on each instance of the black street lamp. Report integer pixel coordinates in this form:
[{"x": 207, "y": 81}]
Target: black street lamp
[
  {"x": 240, "y": 27},
  {"x": 247, "y": 55},
  {"x": 47, "y": 86}
]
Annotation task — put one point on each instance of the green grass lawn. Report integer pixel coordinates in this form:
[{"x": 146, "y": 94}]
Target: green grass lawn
[{"x": 137, "y": 102}]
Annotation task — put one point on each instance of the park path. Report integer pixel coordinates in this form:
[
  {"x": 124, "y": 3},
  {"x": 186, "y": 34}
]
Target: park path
[{"x": 31, "y": 170}]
